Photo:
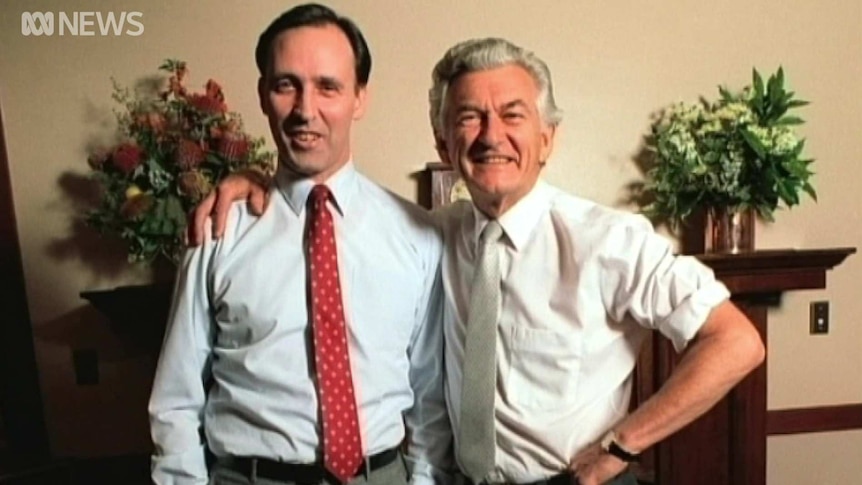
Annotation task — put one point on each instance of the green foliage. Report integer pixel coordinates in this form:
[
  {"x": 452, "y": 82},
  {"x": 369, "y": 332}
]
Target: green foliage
[
  {"x": 738, "y": 152},
  {"x": 177, "y": 145}
]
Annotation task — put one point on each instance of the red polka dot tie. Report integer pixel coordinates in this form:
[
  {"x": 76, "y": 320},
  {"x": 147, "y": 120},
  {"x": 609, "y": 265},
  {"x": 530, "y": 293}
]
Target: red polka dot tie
[{"x": 342, "y": 450}]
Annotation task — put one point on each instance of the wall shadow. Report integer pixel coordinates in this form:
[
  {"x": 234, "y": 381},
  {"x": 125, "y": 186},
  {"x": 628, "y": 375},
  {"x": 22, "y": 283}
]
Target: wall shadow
[{"x": 635, "y": 195}]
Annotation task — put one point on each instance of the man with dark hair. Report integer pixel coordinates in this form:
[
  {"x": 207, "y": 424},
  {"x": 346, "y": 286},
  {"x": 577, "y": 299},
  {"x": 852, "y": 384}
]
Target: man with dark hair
[
  {"x": 293, "y": 352},
  {"x": 548, "y": 296},
  {"x": 314, "y": 15}
]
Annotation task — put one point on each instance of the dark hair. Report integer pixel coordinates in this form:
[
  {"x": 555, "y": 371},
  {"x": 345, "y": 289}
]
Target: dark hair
[{"x": 313, "y": 14}]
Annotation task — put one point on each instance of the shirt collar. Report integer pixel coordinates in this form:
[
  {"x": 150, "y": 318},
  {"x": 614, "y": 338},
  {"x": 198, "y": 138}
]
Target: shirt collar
[
  {"x": 521, "y": 219},
  {"x": 295, "y": 190}
]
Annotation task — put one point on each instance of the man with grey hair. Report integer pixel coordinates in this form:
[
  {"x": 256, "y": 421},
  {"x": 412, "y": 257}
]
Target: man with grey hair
[
  {"x": 574, "y": 289},
  {"x": 548, "y": 297}
]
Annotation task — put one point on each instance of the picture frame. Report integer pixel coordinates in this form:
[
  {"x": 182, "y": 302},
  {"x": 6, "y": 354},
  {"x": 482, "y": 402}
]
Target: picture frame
[{"x": 445, "y": 184}]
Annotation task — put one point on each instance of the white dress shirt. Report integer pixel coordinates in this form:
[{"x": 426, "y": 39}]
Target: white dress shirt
[
  {"x": 240, "y": 320},
  {"x": 582, "y": 285}
]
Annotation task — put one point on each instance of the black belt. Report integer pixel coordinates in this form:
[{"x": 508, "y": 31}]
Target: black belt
[
  {"x": 561, "y": 479},
  {"x": 299, "y": 472}
]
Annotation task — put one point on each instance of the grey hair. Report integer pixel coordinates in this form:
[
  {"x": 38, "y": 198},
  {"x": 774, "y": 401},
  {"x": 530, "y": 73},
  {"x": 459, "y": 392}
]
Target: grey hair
[{"x": 481, "y": 54}]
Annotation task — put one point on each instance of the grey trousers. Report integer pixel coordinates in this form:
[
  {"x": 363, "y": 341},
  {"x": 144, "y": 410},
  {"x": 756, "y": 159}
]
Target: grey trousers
[{"x": 394, "y": 473}]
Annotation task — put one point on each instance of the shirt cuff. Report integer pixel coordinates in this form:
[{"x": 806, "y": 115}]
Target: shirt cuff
[{"x": 187, "y": 468}]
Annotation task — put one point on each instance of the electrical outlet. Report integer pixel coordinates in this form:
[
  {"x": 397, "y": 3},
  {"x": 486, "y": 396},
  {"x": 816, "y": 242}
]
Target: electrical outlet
[{"x": 819, "y": 316}]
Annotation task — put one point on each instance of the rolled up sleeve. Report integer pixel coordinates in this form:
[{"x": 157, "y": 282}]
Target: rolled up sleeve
[
  {"x": 661, "y": 290},
  {"x": 429, "y": 430}
]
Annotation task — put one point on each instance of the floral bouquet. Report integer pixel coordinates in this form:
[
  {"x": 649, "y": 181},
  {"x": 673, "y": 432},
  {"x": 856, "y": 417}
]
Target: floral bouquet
[
  {"x": 176, "y": 146},
  {"x": 739, "y": 152}
]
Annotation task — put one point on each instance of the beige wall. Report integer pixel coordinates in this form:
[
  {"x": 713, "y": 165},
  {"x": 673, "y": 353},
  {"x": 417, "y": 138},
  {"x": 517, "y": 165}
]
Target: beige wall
[{"x": 614, "y": 63}]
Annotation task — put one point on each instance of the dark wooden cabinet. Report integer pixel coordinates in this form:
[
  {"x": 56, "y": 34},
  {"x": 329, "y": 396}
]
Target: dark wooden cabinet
[{"x": 727, "y": 446}]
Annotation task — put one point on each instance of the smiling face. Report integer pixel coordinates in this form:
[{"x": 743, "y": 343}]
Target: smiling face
[
  {"x": 494, "y": 135},
  {"x": 311, "y": 97}
]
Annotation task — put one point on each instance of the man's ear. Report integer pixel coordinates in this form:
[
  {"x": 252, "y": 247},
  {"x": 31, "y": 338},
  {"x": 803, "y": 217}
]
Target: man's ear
[
  {"x": 360, "y": 103},
  {"x": 548, "y": 134},
  {"x": 263, "y": 95},
  {"x": 442, "y": 152}
]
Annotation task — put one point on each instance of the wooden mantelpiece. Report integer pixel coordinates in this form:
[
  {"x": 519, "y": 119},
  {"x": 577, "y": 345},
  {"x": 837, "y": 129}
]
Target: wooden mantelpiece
[
  {"x": 774, "y": 271},
  {"x": 727, "y": 446}
]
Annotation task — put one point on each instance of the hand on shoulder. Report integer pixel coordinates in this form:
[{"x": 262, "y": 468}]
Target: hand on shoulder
[{"x": 249, "y": 185}]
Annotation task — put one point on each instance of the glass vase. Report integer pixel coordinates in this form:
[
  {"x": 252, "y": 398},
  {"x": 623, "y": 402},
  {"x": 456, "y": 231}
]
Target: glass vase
[{"x": 729, "y": 231}]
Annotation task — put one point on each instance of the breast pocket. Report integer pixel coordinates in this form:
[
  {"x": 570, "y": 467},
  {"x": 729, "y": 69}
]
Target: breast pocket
[{"x": 545, "y": 369}]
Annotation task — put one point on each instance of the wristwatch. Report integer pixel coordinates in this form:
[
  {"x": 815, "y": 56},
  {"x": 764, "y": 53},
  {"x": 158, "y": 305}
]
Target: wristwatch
[{"x": 610, "y": 446}]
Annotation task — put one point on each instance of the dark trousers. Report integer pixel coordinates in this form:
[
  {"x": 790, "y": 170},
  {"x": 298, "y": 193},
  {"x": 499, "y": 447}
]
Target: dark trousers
[{"x": 626, "y": 478}]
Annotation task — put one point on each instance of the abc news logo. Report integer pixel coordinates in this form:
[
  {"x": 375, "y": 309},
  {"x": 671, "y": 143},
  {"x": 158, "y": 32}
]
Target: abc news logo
[{"x": 82, "y": 23}]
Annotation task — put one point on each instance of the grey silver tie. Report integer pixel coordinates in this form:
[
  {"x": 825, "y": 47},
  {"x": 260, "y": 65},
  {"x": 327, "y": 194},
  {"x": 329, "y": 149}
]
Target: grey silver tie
[{"x": 477, "y": 444}]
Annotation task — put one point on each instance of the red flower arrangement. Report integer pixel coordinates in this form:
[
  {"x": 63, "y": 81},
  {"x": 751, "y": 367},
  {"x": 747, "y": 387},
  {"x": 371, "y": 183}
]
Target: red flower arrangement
[{"x": 176, "y": 146}]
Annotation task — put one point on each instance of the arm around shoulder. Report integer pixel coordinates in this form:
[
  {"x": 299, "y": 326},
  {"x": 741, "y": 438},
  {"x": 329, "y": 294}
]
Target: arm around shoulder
[
  {"x": 429, "y": 430},
  {"x": 249, "y": 185}
]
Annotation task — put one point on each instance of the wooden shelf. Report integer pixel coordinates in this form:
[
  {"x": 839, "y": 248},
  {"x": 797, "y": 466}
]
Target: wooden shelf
[
  {"x": 775, "y": 271},
  {"x": 137, "y": 313}
]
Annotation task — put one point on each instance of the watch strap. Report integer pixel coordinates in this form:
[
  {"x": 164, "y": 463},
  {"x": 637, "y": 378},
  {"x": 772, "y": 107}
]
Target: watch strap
[{"x": 610, "y": 446}]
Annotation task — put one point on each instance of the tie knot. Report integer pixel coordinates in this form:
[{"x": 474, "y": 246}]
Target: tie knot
[
  {"x": 320, "y": 194},
  {"x": 492, "y": 232}
]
